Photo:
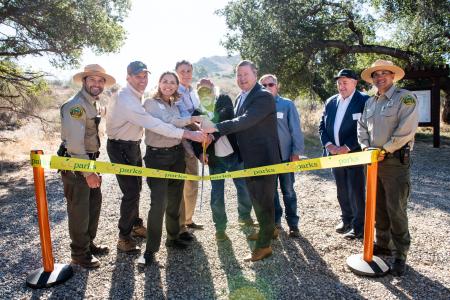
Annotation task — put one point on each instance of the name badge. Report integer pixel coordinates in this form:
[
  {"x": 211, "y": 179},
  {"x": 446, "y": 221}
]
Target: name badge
[
  {"x": 280, "y": 115},
  {"x": 356, "y": 116},
  {"x": 161, "y": 106}
]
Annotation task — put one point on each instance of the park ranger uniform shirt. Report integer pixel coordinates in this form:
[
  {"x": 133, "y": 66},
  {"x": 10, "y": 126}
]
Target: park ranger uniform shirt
[
  {"x": 126, "y": 118},
  {"x": 79, "y": 132},
  {"x": 168, "y": 113},
  {"x": 389, "y": 121}
]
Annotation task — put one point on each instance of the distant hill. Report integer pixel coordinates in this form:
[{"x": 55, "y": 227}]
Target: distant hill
[
  {"x": 221, "y": 71},
  {"x": 223, "y": 65}
]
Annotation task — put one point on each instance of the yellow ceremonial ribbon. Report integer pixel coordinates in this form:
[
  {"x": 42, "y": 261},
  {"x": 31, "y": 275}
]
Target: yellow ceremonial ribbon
[{"x": 84, "y": 165}]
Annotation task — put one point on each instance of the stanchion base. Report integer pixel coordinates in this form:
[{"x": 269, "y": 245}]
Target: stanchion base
[
  {"x": 39, "y": 279},
  {"x": 377, "y": 267}
]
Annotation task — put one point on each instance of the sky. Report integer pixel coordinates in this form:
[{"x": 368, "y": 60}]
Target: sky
[{"x": 160, "y": 33}]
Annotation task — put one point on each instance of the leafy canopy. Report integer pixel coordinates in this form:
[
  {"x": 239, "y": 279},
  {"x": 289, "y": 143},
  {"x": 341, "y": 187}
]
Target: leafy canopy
[
  {"x": 305, "y": 42},
  {"x": 60, "y": 29}
]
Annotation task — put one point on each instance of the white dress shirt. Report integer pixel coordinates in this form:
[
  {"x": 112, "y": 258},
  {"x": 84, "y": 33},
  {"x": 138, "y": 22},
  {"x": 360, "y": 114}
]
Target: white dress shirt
[{"x": 340, "y": 113}]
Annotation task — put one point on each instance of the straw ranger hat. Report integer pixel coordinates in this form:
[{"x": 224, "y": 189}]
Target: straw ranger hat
[
  {"x": 381, "y": 64},
  {"x": 94, "y": 70}
]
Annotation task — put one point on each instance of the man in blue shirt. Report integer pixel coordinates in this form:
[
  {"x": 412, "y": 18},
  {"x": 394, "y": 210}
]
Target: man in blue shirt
[
  {"x": 187, "y": 104},
  {"x": 291, "y": 147}
]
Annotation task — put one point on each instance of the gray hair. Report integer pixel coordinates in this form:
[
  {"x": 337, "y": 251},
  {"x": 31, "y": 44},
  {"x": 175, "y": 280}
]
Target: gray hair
[{"x": 265, "y": 76}]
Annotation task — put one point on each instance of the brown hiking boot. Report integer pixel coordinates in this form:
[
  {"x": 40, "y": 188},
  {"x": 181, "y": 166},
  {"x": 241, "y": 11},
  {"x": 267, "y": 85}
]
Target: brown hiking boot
[
  {"x": 254, "y": 236},
  {"x": 88, "y": 261},
  {"x": 127, "y": 245},
  {"x": 259, "y": 254},
  {"x": 139, "y": 231},
  {"x": 98, "y": 249}
]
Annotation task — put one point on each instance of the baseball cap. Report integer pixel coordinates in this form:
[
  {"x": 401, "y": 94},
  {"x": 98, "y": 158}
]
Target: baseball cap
[
  {"x": 136, "y": 67},
  {"x": 346, "y": 73}
]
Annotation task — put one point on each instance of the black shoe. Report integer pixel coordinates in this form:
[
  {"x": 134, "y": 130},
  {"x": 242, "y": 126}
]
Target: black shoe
[
  {"x": 294, "y": 232},
  {"x": 343, "y": 227},
  {"x": 398, "y": 267},
  {"x": 186, "y": 236},
  {"x": 99, "y": 250},
  {"x": 352, "y": 234},
  {"x": 378, "y": 250},
  {"x": 194, "y": 226},
  {"x": 146, "y": 259},
  {"x": 178, "y": 244}
]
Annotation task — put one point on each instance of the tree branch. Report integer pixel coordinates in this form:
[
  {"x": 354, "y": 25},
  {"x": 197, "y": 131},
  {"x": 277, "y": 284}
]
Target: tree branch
[
  {"x": 352, "y": 27},
  {"x": 32, "y": 51},
  {"x": 346, "y": 49}
]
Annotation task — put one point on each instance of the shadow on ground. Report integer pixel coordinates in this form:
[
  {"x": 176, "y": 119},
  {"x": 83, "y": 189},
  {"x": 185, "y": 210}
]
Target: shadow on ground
[
  {"x": 188, "y": 274},
  {"x": 306, "y": 269}
]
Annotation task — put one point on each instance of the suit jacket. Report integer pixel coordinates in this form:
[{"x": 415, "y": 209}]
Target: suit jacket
[
  {"x": 347, "y": 131},
  {"x": 255, "y": 126},
  {"x": 223, "y": 110}
]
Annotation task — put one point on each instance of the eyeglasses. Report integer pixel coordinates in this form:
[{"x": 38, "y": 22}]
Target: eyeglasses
[
  {"x": 381, "y": 74},
  {"x": 269, "y": 84}
]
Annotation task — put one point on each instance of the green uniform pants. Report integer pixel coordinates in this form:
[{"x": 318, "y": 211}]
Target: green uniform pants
[
  {"x": 393, "y": 192},
  {"x": 83, "y": 210}
]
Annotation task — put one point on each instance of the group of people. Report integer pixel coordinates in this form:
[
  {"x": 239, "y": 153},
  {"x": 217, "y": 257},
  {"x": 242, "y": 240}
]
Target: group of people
[{"x": 261, "y": 128}]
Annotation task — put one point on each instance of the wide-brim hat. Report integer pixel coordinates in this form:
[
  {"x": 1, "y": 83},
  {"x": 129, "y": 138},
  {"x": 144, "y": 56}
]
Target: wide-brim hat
[
  {"x": 381, "y": 64},
  {"x": 94, "y": 70}
]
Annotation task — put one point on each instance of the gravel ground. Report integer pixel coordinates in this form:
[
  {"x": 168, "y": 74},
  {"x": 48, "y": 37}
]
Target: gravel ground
[{"x": 310, "y": 267}]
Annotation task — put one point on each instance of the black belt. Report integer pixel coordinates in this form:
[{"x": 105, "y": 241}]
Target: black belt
[
  {"x": 395, "y": 154},
  {"x": 125, "y": 142},
  {"x": 93, "y": 155},
  {"x": 176, "y": 147}
]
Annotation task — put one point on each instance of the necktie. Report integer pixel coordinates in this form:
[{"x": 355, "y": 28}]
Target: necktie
[{"x": 240, "y": 101}]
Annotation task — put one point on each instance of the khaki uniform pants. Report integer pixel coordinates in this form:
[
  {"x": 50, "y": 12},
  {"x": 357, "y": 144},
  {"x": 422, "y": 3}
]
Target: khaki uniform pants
[
  {"x": 393, "y": 192},
  {"x": 190, "y": 191}
]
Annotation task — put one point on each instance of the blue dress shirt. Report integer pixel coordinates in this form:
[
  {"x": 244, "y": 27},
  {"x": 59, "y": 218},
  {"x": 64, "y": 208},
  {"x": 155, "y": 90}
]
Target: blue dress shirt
[
  {"x": 186, "y": 104},
  {"x": 290, "y": 133}
]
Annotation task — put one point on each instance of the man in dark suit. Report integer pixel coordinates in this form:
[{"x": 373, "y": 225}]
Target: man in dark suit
[
  {"x": 255, "y": 128},
  {"x": 338, "y": 136}
]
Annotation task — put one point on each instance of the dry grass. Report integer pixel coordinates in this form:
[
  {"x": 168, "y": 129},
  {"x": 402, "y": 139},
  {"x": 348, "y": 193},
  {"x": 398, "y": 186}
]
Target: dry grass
[{"x": 310, "y": 114}]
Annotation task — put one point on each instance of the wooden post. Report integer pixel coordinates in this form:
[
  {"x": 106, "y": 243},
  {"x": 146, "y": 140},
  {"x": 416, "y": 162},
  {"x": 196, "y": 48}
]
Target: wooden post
[{"x": 435, "y": 112}]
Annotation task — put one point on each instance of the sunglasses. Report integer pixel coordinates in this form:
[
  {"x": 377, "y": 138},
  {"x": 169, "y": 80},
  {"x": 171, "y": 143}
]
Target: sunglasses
[{"x": 269, "y": 84}]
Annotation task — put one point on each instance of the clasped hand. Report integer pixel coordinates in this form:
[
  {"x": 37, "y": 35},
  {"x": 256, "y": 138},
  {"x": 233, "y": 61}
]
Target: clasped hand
[{"x": 335, "y": 150}]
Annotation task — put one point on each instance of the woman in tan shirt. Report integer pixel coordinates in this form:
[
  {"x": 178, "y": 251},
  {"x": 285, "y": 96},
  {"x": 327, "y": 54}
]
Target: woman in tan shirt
[{"x": 165, "y": 153}]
